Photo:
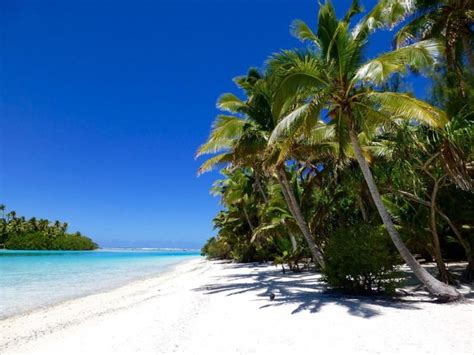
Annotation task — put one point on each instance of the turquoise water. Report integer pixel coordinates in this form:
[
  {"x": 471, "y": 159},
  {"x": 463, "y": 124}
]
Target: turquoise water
[{"x": 31, "y": 279}]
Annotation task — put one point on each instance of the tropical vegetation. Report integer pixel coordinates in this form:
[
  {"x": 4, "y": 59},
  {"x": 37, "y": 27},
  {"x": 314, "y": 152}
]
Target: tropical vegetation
[
  {"x": 327, "y": 154},
  {"x": 19, "y": 233}
]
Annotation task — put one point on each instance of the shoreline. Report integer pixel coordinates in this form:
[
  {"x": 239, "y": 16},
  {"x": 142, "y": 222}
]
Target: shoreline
[
  {"x": 222, "y": 308},
  {"x": 21, "y": 329},
  {"x": 105, "y": 289}
]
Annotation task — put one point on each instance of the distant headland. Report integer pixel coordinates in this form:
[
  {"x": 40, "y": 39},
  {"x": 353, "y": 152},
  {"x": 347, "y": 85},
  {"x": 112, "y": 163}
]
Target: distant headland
[{"x": 19, "y": 233}]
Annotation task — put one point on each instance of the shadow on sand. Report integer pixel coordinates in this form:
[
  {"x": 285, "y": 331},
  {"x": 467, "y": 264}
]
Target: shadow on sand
[{"x": 303, "y": 290}]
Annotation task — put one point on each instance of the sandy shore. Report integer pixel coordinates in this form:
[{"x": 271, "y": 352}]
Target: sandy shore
[{"x": 218, "y": 308}]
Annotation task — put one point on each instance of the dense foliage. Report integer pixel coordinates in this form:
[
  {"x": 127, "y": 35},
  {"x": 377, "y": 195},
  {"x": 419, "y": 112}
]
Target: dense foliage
[
  {"x": 361, "y": 259},
  {"x": 18, "y": 233},
  {"x": 216, "y": 249},
  {"x": 325, "y": 140}
]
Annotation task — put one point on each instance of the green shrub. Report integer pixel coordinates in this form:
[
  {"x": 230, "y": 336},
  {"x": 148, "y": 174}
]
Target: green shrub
[
  {"x": 216, "y": 249},
  {"x": 361, "y": 259}
]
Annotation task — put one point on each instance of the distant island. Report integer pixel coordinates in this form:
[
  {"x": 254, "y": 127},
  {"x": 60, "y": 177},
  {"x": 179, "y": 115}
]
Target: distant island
[{"x": 19, "y": 233}]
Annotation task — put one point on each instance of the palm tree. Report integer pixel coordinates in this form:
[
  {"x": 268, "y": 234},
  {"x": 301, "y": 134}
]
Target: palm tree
[
  {"x": 236, "y": 190},
  {"x": 241, "y": 140},
  {"x": 275, "y": 218},
  {"x": 335, "y": 78}
]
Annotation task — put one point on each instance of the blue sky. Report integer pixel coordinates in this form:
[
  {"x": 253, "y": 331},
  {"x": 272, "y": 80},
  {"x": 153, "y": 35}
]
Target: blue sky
[{"x": 104, "y": 103}]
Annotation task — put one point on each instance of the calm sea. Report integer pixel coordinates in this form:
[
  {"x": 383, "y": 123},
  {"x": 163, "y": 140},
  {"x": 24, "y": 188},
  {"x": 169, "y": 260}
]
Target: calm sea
[{"x": 31, "y": 279}]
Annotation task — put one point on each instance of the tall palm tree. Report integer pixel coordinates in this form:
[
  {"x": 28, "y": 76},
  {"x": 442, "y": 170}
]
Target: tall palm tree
[{"x": 335, "y": 78}]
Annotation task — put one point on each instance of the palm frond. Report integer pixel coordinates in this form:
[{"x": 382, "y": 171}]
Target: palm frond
[
  {"x": 247, "y": 82},
  {"x": 383, "y": 149},
  {"x": 295, "y": 71},
  {"x": 231, "y": 103},
  {"x": 419, "y": 28},
  {"x": 294, "y": 119},
  {"x": 321, "y": 133},
  {"x": 327, "y": 27},
  {"x": 354, "y": 9},
  {"x": 212, "y": 163},
  {"x": 301, "y": 30},
  {"x": 403, "y": 106},
  {"x": 300, "y": 122},
  {"x": 224, "y": 131},
  {"x": 419, "y": 55},
  {"x": 385, "y": 14},
  {"x": 264, "y": 231}
]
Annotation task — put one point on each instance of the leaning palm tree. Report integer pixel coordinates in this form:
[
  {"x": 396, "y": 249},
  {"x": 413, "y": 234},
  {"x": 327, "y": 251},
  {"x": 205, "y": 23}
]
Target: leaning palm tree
[{"x": 337, "y": 81}]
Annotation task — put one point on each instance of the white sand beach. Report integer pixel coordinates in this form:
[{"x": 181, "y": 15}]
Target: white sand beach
[{"x": 205, "y": 307}]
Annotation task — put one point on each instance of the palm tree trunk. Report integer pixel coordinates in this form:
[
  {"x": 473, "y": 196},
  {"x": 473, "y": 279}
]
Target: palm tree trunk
[
  {"x": 442, "y": 291},
  {"x": 444, "y": 274},
  {"x": 249, "y": 222},
  {"x": 468, "y": 273},
  {"x": 453, "y": 68},
  {"x": 362, "y": 208},
  {"x": 468, "y": 49},
  {"x": 294, "y": 245},
  {"x": 298, "y": 215},
  {"x": 260, "y": 187}
]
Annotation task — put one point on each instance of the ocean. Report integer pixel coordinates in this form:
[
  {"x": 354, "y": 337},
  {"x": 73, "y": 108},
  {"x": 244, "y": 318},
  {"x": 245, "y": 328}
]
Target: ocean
[{"x": 32, "y": 279}]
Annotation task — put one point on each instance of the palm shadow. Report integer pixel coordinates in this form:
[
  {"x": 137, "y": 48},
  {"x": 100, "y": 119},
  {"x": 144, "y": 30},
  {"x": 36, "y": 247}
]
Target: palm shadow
[{"x": 306, "y": 293}]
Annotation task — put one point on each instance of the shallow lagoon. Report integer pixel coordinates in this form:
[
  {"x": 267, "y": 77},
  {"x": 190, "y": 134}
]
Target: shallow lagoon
[{"x": 31, "y": 279}]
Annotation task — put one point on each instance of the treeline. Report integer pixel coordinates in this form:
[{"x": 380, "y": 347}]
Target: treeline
[
  {"x": 19, "y": 233},
  {"x": 328, "y": 156}
]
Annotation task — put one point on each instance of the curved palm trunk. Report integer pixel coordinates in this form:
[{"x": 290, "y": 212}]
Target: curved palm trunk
[
  {"x": 298, "y": 215},
  {"x": 437, "y": 288}
]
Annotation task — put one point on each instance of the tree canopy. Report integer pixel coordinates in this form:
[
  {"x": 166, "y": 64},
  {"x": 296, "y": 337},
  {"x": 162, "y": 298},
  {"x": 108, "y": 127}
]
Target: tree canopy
[{"x": 323, "y": 139}]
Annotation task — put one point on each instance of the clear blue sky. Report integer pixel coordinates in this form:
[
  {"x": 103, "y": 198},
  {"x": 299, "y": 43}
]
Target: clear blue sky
[{"x": 104, "y": 103}]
